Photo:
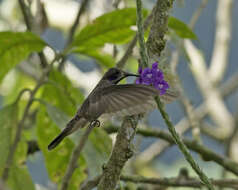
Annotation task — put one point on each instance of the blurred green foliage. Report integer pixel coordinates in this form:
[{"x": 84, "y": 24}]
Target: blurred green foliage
[
  {"x": 59, "y": 99},
  {"x": 15, "y": 47}
]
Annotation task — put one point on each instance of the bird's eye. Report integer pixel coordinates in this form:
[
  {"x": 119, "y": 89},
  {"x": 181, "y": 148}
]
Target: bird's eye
[{"x": 114, "y": 76}]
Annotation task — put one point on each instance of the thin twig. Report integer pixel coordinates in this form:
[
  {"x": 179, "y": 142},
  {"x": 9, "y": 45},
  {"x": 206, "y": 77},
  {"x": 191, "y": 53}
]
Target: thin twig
[
  {"x": 205, "y": 152},
  {"x": 121, "y": 63},
  {"x": 182, "y": 146},
  {"x": 168, "y": 182},
  {"x": 197, "y": 13},
  {"x": 21, "y": 123},
  {"x": 228, "y": 145},
  {"x": 88, "y": 185},
  {"x": 74, "y": 158},
  {"x": 25, "y": 14},
  {"x": 21, "y": 94},
  {"x": 73, "y": 28},
  {"x": 177, "y": 182},
  {"x": 19, "y": 130}
]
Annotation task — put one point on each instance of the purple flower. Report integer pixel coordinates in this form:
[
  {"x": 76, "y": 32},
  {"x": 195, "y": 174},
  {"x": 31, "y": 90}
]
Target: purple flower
[
  {"x": 147, "y": 76},
  {"x": 153, "y": 76},
  {"x": 155, "y": 65},
  {"x": 162, "y": 87}
]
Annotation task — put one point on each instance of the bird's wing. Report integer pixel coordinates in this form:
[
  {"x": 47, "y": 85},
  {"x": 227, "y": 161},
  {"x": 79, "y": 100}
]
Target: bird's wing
[{"x": 129, "y": 99}]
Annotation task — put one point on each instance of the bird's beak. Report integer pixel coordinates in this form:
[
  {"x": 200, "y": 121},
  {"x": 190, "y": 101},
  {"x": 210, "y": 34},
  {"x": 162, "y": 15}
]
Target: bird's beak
[{"x": 130, "y": 74}]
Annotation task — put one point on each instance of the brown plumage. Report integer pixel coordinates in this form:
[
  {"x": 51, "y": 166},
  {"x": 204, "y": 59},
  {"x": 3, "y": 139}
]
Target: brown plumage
[{"x": 108, "y": 98}]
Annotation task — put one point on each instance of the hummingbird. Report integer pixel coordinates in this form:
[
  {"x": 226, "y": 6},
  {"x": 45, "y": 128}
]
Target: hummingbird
[{"x": 110, "y": 98}]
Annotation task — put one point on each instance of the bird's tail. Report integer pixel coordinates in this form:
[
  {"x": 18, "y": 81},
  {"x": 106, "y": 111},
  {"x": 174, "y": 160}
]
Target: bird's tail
[
  {"x": 57, "y": 140},
  {"x": 73, "y": 125}
]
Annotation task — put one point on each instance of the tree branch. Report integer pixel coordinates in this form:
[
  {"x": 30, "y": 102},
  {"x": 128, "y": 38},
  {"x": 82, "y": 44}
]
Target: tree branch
[
  {"x": 156, "y": 42},
  {"x": 179, "y": 182},
  {"x": 118, "y": 158},
  {"x": 120, "y": 154},
  {"x": 206, "y": 153},
  {"x": 197, "y": 13},
  {"x": 73, "y": 28},
  {"x": 26, "y": 16},
  {"x": 219, "y": 60},
  {"x": 219, "y": 113}
]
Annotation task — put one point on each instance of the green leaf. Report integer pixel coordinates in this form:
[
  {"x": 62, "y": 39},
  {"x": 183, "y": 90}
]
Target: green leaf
[
  {"x": 56, "y": 115},
  {"x": 8, "y": 120},
  {"x": 180, "y": 28},
  {"x": 113, "y": 27},
  {"x": 105, "y": 59},
  {"x": 61, "y": 93},
  {"x": 15, "y": 47},
  {"x": 19, "y": 178},
  {"x": 58, "y": 159},
  {"x": 98, "y": 148}
]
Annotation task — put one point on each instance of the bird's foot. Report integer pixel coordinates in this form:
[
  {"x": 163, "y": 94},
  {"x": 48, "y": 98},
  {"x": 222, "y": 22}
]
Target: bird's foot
[{"x": 95, "y": 123}]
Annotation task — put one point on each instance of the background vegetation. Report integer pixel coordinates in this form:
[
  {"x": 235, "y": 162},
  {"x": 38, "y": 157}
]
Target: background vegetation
[{"x": 52, "y": 53}]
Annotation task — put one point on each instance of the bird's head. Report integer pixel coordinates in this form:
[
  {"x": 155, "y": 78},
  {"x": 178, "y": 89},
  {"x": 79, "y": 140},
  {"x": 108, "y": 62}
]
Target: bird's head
[{"x": 115, "y": 75}]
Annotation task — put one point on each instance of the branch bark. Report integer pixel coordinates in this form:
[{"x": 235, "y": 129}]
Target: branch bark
[
  {"x": 121, "y": 153},
  {"x": 116, "y": 162},
  {"x": 156, "y": 42}
]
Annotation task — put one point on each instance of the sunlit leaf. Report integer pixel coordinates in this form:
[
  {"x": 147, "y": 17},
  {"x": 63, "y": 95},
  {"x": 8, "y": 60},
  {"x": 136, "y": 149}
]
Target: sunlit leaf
[
  {"x": 103, "y": 59},
  {"x": 15, "y": 47},
  {"x": 57, "y": 160},
  {"x": 21, "y": 82},
  {"x": 113, "y": 27},
  {"x": 56, "y": 115},
  {"x": 180, "y": 28},
  {"x": 61, "y": 93}
]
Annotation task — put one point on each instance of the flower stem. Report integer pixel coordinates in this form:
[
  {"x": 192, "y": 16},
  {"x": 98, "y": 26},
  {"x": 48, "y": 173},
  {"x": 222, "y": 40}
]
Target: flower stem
[
  {"x": 182, "y": 146},
  {"x": 176, "y": 138}
]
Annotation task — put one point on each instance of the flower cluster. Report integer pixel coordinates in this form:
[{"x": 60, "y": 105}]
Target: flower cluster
[{"x": 153, "y": 76}]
